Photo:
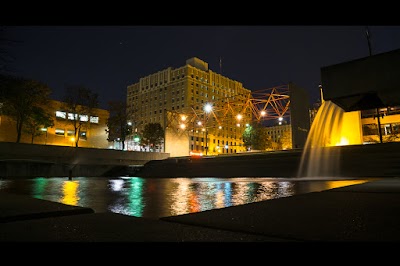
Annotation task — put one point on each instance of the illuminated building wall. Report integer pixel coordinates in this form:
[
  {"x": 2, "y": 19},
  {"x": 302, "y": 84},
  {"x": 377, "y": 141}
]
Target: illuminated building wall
[
  {"x": 389, "y": 122},
  {"x": 278, "y": 132},
  {"x": 93, "y": 135},
  {"x": 186, "y": 90}
]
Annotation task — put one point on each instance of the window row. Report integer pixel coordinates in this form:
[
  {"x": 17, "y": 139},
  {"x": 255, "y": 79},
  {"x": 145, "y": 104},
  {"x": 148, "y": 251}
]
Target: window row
[
  {"x": 83, "y": 118},
  {"x": 69, "y": 133}
]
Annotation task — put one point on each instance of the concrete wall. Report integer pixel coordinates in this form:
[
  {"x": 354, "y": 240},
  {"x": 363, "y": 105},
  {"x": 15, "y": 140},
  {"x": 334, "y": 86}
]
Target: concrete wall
[
  {"x": 177, "y": 142},
  {"x": 365, "y": 83},
  {"x": 299, "y": 115},
  {"x": 19, "y": 159},
  {"x": 358, "y": 161}
]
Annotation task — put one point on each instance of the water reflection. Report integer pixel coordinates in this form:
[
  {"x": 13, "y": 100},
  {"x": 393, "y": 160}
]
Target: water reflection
[
  {"x": 158, "y": 197},
  {"x": 70, "y": 193}
]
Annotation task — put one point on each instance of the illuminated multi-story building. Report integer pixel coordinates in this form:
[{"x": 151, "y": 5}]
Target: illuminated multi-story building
[
  {"x": 178, "y": 99},
  {"x": 92, "y": 135}
]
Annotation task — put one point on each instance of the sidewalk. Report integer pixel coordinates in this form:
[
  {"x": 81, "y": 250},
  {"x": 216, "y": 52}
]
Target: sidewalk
[{"x": 368, "y": 212}]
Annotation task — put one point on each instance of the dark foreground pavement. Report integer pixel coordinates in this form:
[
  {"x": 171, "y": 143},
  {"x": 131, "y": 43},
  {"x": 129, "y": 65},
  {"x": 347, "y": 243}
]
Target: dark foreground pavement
[{"x": 368, "y": 212}]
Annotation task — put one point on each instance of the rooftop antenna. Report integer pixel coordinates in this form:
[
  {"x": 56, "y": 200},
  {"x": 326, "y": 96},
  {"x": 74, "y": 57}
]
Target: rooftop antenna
[
  {"x": 368, "y": 40},
  {"x": 378, "y": 115},
  {"x": 220, "y": 65}
]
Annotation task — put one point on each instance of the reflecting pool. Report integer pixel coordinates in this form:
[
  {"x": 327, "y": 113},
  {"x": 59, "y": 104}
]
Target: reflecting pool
[{"x": 159, "y": 197}]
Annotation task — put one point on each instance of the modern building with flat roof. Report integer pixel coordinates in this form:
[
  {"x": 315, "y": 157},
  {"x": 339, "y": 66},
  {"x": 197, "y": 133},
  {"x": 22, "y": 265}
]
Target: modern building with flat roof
[{"x": 93, "y": 133}]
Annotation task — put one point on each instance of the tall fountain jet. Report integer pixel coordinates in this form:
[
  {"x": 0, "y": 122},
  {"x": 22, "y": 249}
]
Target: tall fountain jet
[{"x": 348, "y": 88}]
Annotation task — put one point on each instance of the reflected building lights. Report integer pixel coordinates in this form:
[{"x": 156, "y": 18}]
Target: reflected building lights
[
  {"x": 194, "y": 205},
  {"x": 139, "y": 197},
  {"x": 117, "y": 184},
  {"x": 239, "y": 194},
  {"x": 228, "y": 194},
  {"x": 136, "y": 204},
  {"x": 4, "y": 183},
  {"x": 207, "y": 197},
  {"x": 70, "y": 193},
  {"x": 39, "y": 185},
  {"x": 219, "y": 199},
  {"x": 180, "y": 201},
  {"x": 343, "y": 183}
]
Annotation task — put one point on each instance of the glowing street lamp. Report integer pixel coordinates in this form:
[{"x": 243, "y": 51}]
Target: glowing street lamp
[
  {"x": 207, "y": 109},
  {"x": 280, "y": 119}
]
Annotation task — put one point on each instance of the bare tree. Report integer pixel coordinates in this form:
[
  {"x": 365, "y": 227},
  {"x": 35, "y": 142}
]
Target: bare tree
[
  {"x": 118, "y": 126},
  {"x": 80, "y": 104}
]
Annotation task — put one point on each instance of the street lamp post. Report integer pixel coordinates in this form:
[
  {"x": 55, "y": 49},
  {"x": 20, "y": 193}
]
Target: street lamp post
[{"x": 207, "y": 109}]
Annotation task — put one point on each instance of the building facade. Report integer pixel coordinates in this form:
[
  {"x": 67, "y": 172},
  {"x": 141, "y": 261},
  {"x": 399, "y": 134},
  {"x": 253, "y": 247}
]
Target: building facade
[
  {"x": 177, "y": 97},
  {"x": 93, "y": 133}
]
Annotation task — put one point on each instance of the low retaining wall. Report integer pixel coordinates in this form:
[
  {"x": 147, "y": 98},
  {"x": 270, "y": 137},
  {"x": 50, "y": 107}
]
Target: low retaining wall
[
  {"x": 373, "y": 160},
  {"x": 26, "y": 160},
  {"x": 31, "y": 160}
]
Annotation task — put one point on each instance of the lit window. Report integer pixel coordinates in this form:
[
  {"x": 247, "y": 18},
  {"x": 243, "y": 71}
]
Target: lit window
[
  {"x": 94, "y": 119},
  {"x": 72, "y": 116},
  {"x": 83, "y": 135},
  {"x": 70, "y": 133},
  {"x": 60, "y": 132},
  {"x": 60, "y": 114},
  {"x": 83, "y": 118}
]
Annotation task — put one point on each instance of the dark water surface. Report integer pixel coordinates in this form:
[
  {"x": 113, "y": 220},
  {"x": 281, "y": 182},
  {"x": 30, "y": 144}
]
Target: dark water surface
[{"x": 159, "y": 197}]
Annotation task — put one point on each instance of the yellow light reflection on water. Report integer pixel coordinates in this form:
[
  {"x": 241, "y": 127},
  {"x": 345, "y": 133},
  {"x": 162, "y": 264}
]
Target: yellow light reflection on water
[
  {"x": 343, "y": 183},
  {"x": 181, "y": 200},
  {"x": 70, "y": 193},
  {"x": 240, "y": 194},
  {"x": 220, "y": 199}
]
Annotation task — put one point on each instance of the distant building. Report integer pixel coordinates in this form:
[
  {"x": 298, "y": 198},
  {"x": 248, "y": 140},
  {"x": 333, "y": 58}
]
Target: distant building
[
  {"x": 176, "y": 98},
  {"x": 93, "y": 133}
]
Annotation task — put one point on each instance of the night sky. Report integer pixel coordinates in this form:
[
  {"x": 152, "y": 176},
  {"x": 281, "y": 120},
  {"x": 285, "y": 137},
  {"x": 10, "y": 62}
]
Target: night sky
[{"x": 106, "y": 59}]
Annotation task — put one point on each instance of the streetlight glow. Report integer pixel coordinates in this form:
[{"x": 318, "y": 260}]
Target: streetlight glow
[{"x": 208, "y": 107}]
